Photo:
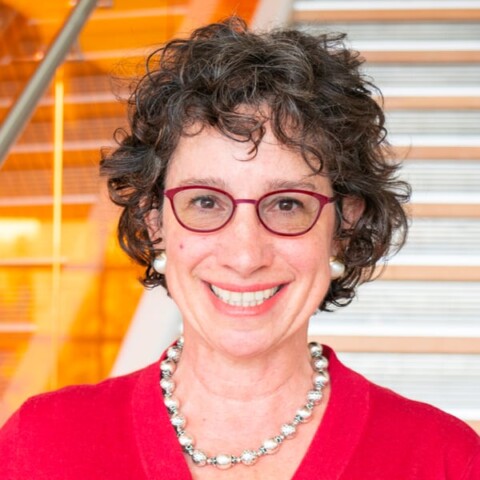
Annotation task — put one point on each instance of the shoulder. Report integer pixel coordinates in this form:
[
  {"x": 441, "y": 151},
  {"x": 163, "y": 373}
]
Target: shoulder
[
  {"x": 79, "y": 412},
  {"x": 420, "y": 436},
  {"x": 398, "y": 434},
  {"x": 388, "y": 410},
  {"x": 89, "y": 422},
  {"x": 402, "y": 414},
  {"x": 72, "y": 402}
]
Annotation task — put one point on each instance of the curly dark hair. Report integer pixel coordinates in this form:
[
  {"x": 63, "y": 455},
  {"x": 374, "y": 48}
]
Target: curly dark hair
[{"x": 317, "y": 102}]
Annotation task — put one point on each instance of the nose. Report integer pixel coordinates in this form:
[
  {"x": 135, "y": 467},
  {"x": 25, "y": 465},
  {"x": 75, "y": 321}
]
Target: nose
[{"x": 245, "y": 246}]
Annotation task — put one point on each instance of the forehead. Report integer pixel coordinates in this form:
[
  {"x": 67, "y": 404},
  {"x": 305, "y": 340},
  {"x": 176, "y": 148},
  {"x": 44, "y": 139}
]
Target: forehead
[{"x": 210, "y": 154}]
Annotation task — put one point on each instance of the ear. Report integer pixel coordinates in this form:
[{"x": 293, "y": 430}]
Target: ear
[
  {"x": 352, "y": 210},
  {"x": 153, "y": 220}
]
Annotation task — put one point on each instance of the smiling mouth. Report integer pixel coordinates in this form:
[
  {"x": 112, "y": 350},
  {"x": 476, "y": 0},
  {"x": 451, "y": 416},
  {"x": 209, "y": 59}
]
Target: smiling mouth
[{"x": 244, "y": 299}]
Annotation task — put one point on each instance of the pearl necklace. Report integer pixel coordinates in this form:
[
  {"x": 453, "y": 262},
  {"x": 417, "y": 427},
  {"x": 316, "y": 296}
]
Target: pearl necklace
[{"x": 269, "y": 446}]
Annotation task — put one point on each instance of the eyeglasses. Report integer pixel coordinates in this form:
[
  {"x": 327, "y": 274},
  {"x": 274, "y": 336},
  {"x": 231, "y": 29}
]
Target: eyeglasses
[{"x": 283, "y": 212}]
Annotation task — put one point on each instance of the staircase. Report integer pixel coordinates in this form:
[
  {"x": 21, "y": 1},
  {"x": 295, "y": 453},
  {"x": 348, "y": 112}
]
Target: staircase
[{"x": 417, "y": 328}]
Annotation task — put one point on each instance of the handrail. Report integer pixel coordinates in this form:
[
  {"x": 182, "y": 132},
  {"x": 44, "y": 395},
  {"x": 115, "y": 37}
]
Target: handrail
[{"x": 23, "y": 109}]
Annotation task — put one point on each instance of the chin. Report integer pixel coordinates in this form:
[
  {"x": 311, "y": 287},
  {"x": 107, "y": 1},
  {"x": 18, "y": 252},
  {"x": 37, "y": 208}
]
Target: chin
[
  {"x": 243, "y": 344},
  {"x": 252, "y": 343}
]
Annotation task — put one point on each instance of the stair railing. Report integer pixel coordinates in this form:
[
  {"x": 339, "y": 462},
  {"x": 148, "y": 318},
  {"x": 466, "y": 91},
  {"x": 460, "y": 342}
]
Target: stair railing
[{"x": 21, "y": 112}]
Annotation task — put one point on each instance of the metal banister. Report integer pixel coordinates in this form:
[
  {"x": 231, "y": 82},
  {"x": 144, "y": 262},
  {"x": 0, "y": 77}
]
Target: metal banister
[{"x": 23, "y": 109}]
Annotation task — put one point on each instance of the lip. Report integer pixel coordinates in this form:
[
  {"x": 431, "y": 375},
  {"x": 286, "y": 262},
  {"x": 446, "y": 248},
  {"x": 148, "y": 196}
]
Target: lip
[
  {"x": 245, "y": 288},
  {"x": 264, "y": 307}
]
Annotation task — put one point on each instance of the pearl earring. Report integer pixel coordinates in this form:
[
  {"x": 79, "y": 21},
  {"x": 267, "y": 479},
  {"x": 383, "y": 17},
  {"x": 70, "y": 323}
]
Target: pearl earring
[
  {"x": 159, "y": 264},
  {"x": 337, "y": 268}
]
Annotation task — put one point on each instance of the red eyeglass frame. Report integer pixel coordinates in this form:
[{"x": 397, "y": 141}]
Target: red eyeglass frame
[{"x": 323, "y": 200}]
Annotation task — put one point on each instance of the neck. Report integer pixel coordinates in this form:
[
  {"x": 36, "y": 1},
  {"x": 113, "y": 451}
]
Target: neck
[
  {"x": 215, "y": 374},
  {"x": 259, "y": 413}
]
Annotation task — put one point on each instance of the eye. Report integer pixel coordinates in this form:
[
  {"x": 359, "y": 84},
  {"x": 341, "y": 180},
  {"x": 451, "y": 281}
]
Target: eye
[
  {"x": 206, "y": 202},
  {"x": 288, "y": 204},
  {"x": 277, "y": 204}
]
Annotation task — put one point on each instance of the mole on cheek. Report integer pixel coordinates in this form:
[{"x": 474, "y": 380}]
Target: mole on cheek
[{"x": 181, "y": 246}]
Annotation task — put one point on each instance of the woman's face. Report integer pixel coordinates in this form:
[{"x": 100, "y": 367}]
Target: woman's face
[{"x": 243, "y": 256}]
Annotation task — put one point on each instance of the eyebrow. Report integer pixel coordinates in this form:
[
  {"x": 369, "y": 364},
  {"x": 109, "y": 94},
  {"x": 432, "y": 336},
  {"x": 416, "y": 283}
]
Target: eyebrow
[
  {"x": 205, "y": 182},
  {"x": 279, "y": 184},
  {"x": 292, "y": 185}
]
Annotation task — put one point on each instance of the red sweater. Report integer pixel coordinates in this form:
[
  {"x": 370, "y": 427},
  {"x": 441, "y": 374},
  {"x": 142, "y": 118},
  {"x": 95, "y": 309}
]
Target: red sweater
[{"x": 119, "y": 429}]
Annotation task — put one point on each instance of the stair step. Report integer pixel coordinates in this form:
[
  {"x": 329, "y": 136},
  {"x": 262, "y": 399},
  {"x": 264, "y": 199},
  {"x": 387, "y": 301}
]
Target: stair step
[
  {"x": 442, "y": 177},
  {"x": 38, "y": 135},
  {"x": 430, "y": 102},
  {"x": 75, "y": 107},
  {"x": 395, "y": 341},
  {"x": 9, "y": 328},
  {"x": 87, "y": 96},
  {"x": 75, "y": 154},
  {"x": 419, "y": 53},
  {"x": 456, "y": 238},
  {"x": 446, "y": 269},
  {"x": 449, "y": 123},
  {"x": 78, "y": 183},
  {"x": 456, "y": 77},
  {"x": 445, "y": 210},
  {"x": 407, "y": 308},
  {"x": 47, "y": 201},
  {"x": 431, "y": 260},
  {"x": 437, "y": 141},
  {"x": 106, "y": 28},
  {"x": 408, "y": 150},
  {"x": 26, "y": 262},
  {"x": 112, "y": 27},
  {"x": 391, "y": 4},
  {"x": 15, "y": 342},
  {"x": 79, "y": 146},
  {"x": 386, "y": 10},
  {"x": 19, "y": 71},
  {"x": 442, "y": 199},
  {"x": 42, "y": 208},
  {"x": 76, "y": 86},
  {"x": 405, "y": 35}
]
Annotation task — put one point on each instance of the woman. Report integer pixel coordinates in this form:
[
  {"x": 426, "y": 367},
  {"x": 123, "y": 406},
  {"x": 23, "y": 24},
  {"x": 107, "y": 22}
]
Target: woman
[{"x": 255, "y": 187}]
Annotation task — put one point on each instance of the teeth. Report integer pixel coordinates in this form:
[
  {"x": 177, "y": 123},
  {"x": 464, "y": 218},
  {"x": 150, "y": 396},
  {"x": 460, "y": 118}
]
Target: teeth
[{"x": 244, "y": 299}]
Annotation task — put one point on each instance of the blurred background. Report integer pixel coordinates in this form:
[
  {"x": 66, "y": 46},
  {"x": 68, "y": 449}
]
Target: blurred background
[{"x": 71, "y": 308}]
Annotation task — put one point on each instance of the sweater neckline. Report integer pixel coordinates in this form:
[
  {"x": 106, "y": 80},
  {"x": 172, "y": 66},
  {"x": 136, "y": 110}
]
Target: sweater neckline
[
  {"x": 330, "y": 450},
  {"x": 341, "y": 427}
]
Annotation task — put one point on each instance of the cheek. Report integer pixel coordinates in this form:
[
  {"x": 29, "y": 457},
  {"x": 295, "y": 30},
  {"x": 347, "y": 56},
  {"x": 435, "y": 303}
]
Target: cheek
[
  {"x": 313, "y": 258},
  {"x": 305, "y": 256},
  {"x": 185, "y": 251},
  {"x": 310, "y": 256},
  {"x": 175, "y": 237}
]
